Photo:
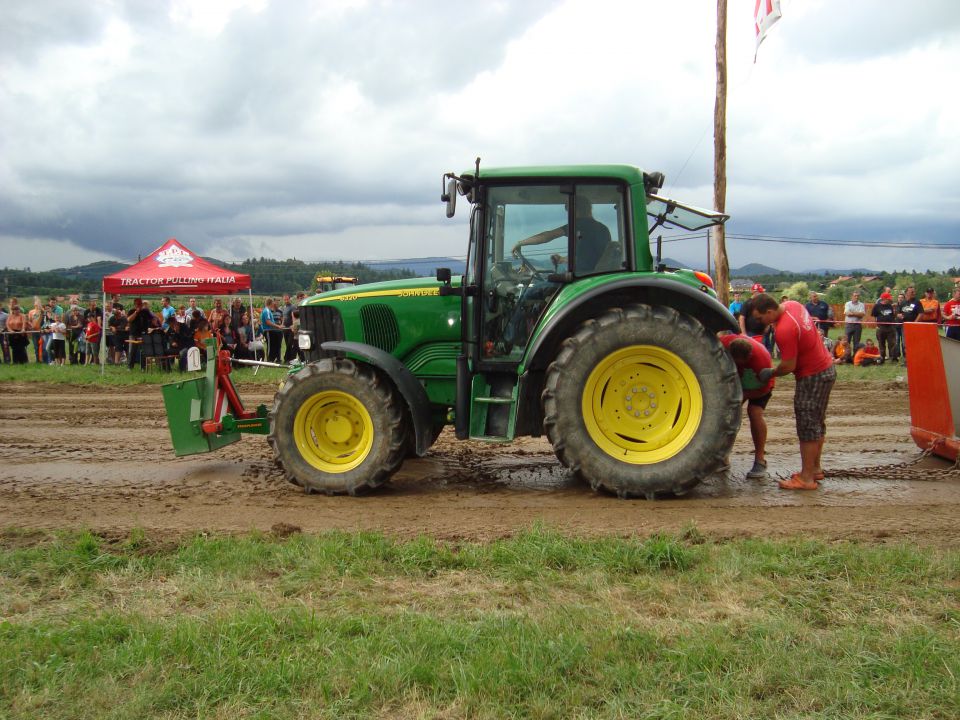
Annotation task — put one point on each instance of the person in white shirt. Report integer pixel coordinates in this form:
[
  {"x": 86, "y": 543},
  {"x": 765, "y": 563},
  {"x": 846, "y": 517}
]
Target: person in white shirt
[
  {"x": 853, "y": 313},
  {"x": 58, "y": 342}
]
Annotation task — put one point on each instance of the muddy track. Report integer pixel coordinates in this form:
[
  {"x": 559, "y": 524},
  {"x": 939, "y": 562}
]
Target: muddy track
[{"x": 85, "y": 457}]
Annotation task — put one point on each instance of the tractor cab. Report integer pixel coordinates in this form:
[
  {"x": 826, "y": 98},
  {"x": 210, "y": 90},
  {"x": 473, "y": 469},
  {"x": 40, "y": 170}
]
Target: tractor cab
[{"x": 532, "y": 235}]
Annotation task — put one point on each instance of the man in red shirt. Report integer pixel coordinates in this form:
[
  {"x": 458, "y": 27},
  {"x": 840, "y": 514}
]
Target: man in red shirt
[
  {"x": 803, "y": 354},
  {"x": 951, "y": 315},
  {"x": 751, "y": 359}
]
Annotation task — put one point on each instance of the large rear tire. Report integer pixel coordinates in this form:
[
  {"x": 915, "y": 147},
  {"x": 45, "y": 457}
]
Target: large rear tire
[
  {"x": 336, "y": 427},
  {"x": 642, "y": 400}
]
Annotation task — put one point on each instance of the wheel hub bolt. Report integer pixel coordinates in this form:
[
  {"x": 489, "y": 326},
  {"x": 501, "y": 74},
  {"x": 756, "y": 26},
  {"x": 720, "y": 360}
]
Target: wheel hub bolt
[
  {"x": 636, "y": 414},
  {"x": 653, "y": 404},
  {"x": 643, "y": 389},
  {"x": 646, "y": 412}
]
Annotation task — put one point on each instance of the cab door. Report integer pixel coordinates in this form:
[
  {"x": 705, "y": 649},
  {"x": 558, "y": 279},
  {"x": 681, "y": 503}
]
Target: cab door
[{"x": 517, "y": 279}]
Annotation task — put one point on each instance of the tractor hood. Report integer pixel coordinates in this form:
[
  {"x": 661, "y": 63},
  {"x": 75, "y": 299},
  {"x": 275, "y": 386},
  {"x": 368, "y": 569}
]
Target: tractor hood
[{"x": 407, "y": 288}]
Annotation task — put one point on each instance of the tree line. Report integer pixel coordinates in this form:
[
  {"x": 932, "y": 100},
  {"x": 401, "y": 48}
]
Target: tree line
[
  {"x": 268, "y": 277},
  {"x": 870, "y": 284}
]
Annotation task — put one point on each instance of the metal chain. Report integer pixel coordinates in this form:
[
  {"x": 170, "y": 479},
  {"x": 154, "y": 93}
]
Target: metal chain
[{"x": 900, "y": 471}]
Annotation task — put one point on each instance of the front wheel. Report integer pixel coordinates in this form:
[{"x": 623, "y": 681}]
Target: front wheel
[
  {"x": 642, "y": 400},
  {"x": 336, "y": 427}
]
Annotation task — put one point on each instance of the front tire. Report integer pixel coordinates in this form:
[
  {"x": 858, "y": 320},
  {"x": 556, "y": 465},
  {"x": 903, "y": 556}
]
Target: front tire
[
  {"x": 336, "y": 427},
  {"x": 642, "y": 400}
]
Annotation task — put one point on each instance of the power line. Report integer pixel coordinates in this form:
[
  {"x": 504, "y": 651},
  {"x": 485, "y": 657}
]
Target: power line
[{"x": 823, "y": 241}]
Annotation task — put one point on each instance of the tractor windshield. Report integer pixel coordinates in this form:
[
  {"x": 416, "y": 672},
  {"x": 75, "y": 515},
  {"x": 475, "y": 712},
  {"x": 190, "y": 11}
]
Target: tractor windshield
[
  {"x": 664, "y": 210},
  {"x": 535, "y": 235}
]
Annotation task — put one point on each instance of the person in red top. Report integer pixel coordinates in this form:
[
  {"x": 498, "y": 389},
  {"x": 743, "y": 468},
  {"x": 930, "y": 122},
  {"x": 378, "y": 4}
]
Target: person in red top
[
  {"x": 751, "y": 359},
  {"x": 803, "y": 354},
  {"x": 951, "y": 315},
  {"x": 91, "y": 334}
]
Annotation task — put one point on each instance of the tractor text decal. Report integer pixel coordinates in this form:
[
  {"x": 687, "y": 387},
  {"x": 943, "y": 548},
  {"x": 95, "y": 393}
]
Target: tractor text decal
[{"x": 406, "y": 292}]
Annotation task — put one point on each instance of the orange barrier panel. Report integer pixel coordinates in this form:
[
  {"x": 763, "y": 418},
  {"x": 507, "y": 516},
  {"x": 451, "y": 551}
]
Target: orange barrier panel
[{"x": 934, "y": 392}]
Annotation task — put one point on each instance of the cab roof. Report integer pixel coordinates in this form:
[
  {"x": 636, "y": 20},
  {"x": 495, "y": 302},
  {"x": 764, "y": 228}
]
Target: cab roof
[{"x": 627, "y": 173}]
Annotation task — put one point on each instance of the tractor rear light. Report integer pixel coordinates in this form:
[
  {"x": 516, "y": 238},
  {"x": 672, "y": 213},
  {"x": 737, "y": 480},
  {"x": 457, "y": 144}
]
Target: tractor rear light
[
  {"x": 304, "y": 341},
  {"x": 704, "y": 278}
]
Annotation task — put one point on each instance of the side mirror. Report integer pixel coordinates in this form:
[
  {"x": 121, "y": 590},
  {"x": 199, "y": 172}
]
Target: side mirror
[
  {"x": 450, "y": 197},
  {"x": 445, "y": 276}
]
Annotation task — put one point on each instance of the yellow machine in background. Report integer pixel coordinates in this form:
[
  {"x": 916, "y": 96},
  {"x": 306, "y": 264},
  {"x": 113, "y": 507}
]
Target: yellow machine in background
[{"x": 325, "y": 283}]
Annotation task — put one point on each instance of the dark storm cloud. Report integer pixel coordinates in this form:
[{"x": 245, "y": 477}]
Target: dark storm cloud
[{"x": 194, "y": 133}]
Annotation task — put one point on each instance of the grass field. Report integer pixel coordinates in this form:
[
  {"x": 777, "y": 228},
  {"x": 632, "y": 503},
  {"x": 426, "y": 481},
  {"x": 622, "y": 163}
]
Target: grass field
[
  {"x": 540, "y": 626},
  {"x": 120, "y": 375}
]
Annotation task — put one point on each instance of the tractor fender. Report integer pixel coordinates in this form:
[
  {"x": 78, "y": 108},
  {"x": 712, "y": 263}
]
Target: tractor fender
[
  {"x": 649, "y": 290},
  {"x": 406, "y": 382}
]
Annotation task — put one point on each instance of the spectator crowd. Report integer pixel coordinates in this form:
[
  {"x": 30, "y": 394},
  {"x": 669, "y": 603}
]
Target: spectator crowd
[
  {"x": 888, "y": 316},
  {"x": 138, "y": 334}
]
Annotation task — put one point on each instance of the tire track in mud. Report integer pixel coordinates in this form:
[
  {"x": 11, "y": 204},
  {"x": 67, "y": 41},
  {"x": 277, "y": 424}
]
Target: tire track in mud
[{"x": 101, "y": 458}]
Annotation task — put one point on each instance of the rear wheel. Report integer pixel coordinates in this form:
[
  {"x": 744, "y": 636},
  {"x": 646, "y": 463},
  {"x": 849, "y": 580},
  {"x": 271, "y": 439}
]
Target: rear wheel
[
  {"x": 642, "y": 400},
  {"x": 336, "y": 427}
]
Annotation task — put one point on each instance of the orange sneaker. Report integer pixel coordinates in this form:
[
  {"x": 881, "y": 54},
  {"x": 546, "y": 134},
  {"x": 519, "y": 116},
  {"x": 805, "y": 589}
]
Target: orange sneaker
[{"x": 798, "y": 483}]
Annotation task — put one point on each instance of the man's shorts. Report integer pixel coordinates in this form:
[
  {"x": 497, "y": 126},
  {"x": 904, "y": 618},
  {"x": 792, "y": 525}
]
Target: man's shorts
[
  {"x": 810, "y": 404},
  {"x": 761, "y": 401}
]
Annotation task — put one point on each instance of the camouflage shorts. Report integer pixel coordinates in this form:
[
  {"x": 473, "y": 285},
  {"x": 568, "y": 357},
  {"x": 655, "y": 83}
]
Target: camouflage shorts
[{"x": 810, "y": 404}]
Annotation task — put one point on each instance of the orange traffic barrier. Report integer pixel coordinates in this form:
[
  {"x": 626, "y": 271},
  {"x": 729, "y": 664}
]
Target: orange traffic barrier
[{"x": 933, "y": 374}]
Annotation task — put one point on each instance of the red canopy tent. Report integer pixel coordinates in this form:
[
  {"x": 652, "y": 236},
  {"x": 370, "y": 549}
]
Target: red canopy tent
[{"x": 172, "y": 269}]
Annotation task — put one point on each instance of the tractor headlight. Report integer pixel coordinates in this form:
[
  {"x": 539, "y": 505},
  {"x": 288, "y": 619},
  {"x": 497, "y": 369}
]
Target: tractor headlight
[{"x": 304, "y": 341}]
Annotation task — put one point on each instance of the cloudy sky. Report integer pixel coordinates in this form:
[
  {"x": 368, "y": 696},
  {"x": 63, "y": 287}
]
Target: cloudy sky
[{"x": 320, "y": 130}]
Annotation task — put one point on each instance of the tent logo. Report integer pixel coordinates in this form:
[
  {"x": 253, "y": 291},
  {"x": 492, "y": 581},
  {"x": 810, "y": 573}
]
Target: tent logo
[{"x": 174, "y": 257}]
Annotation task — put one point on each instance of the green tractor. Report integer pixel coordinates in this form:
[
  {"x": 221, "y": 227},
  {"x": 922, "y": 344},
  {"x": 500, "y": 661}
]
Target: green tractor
[{"x": 561, "y": 324}]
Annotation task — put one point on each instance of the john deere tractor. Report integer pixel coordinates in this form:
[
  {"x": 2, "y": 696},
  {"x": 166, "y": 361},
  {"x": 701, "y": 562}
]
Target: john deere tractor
[{"x": 561, "y": 324}]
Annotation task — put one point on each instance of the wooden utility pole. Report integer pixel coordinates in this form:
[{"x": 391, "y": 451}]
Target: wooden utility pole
[{"x": 720, "y": 155}]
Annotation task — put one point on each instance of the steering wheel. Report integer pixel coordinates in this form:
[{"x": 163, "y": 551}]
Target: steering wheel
[{"x": 525, "y": 264}]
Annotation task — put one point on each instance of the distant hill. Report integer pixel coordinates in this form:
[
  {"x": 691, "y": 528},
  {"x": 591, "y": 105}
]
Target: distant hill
[
  {"x": 848, "y": 271},
  {"x": 753, "y": 269},
  {"x": 93, "y": 271},
  {"x": 421, "y": 267}
]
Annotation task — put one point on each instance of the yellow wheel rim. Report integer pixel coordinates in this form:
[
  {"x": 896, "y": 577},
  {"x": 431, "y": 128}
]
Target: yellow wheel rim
[
  {"x": 642, "y": 404},
  {"x": 333, "y": 431}
]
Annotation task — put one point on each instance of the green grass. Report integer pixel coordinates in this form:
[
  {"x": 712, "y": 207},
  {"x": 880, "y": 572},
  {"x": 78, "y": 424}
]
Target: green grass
[
  {"x": 879, "y": 373},
  {"x": 90, "y": 375},
  {"x": 540, "y": 625},
  {"x": 120, "y": 375}
]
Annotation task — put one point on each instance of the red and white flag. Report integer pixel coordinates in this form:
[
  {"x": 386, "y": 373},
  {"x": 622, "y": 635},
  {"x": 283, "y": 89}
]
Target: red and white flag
[{"x": 765, "y": 14}]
